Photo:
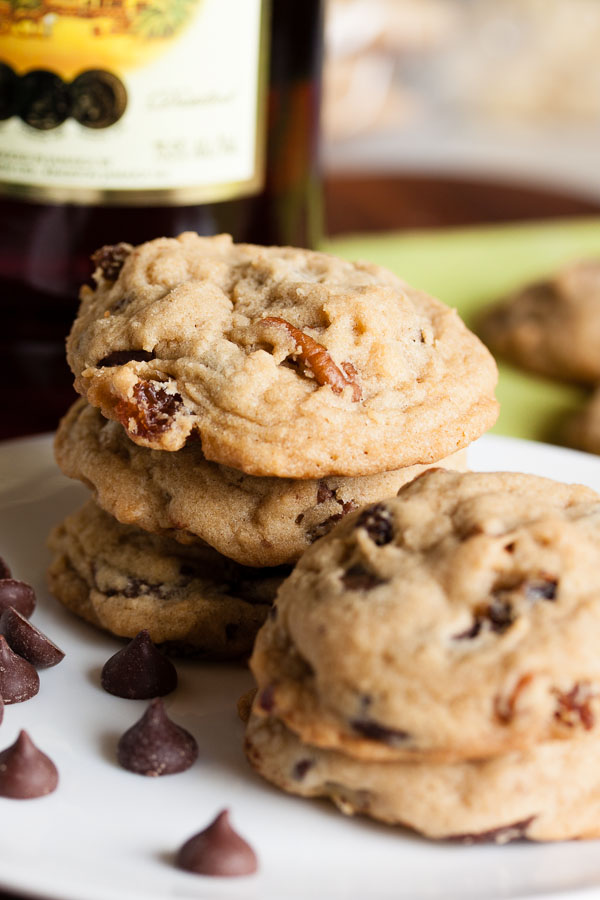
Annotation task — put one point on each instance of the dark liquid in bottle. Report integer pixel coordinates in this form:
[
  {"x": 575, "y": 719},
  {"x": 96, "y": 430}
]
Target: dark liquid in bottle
[{"x": 45, "y": 249}]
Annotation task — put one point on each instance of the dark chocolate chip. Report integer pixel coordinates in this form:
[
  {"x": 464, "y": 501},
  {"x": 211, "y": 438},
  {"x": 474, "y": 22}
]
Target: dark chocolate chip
[
  {"x": 469, "y": 633},
  {"x": 18, "y": 594},
  {"x": 28, "y": 641},
  {"x": 503, "y": 835},
  {"x": 26, "y": 772},
  {"x": 231, "y": 630},
  {"x": 542, "y": 589},
  {"x": 323, "y": 528},
  {"x": 110, "y": 259},
  {"x": 500, "y": 615},
  {"x": 18, "y": 679},
  {"x": 357, "y": 578},
  {"x": 4, "y": 570},
  {"x": 301, "y": 768},
  {"x": 122, "y": 357},
  {"x": 218, "y": 851},
  {"x": 377, "y": 521},
  {"x": 139, "y": 671},
  {"x": 375, "y": 732},
  {"x": 155, "y": 745}
]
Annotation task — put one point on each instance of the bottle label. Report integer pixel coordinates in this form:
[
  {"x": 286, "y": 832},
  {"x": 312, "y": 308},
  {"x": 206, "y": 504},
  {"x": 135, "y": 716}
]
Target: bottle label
[{"x": 133, "y": 102}]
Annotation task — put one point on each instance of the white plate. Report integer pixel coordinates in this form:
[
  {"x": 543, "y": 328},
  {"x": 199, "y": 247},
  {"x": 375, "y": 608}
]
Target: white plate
[{"x": 107, "y": 834}]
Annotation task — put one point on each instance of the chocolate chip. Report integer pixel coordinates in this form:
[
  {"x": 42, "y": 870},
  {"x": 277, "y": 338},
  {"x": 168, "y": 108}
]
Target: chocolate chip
[
  {"x": 28, "y": 641},
  {"x": 323, "y": 528},
  {"x": 218, "y": 851},
  {"x": 301, "y": 768},
  {"x": 26, "y": 772},
  {"x": 110, "y": 259},
  {"x": 377, "y": 521},
  {"x": 357, "y": 578},
  {"x": 155, "y": 745},
  {"x": 501, "y": 615},
  {"x": 231, "y": 629},
  {"x": 4, "y": 570},
  {"x": 139, "y": 671},
  {"x": 544, "y": 589},
  {"x": 18, "y": 679},
  {"x": 498, "y": 615},
  {"x": 375, "y": 732},
  {"x": 17, "y": 594},
  {"x": 122, "y": 357},
  {"x": 502, "y": 835}
]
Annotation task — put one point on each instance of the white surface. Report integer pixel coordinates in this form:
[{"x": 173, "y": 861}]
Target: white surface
[{"x": 107, "y": 834}]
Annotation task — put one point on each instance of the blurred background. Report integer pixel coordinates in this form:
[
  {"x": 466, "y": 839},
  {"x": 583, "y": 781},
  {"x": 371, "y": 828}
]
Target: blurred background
[{"x": 441, "y": 93}]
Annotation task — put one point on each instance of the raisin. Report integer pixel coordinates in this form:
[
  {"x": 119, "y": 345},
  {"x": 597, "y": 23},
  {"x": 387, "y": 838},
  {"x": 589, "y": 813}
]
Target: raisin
[
  {"x": 301, "y": 768},
  {"x": 372, "y": 730},
  {"x": 110, "y": 258},
  {"x": 324, "y": 492},
  {"x": 377, "y": 521},
  {"x": 573, "y": 707},
  {"x": 266, "y": 699},
  {"x": 122, "y": 357},
  {"x": 152, "y": 409},
  {"x": 502, "y": 835},
  {"x": 357, "y": 578}
]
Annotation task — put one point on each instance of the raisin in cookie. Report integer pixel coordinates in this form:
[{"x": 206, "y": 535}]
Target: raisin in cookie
[
  {"x": 553, "y": 326},
  {"x": 550, "y": 792},
  {"x": 256, "y": 521},
  {"x": 458, "y": 620},
  {"x": 191, "y": 599},
  {"x": 283, "y": 362}
]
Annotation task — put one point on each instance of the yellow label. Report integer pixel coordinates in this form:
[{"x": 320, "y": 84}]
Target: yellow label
[{"x": 132, "y": 101}]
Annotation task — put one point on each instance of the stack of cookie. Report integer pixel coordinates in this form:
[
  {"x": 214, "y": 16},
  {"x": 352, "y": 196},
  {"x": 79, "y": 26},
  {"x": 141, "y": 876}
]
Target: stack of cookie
[
  {"x": 433, "y": 662},
  {"x": 239, "y": 402}
]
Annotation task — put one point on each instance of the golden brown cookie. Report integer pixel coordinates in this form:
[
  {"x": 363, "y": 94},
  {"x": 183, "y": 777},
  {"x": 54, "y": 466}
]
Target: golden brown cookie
[
  {"x": 191, "y": 599},
  {"x": 255, "y": 521},
  {"x": 456, "y": 621},
  {"x": 282, "y": 361}
]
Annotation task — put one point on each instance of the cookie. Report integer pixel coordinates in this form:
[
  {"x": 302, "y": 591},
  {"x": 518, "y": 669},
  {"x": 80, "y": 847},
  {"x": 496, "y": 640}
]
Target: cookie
[
  {"x": 551, "y": 327},
  {"x": 458, "y": 620},
  {"x": 550, "y": 792},
  {"x": 583, "y": 429},
  {"x": 256, "y": 521},
  {"x": 283, "y": 362},
  {"x": 191, "y": 599}
]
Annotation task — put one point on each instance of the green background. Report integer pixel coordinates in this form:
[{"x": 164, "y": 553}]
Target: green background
[{"x": 469, "y": 268}]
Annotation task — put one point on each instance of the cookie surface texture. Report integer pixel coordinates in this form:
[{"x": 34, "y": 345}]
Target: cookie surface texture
[
  {"x": 282, "y": 361},
  {"x": 550, "y": 792},
  {"x": 456, "y": 621},
  {"x": 256, "y": 521},
  {"x": 551, "y": 327},
  {"x": 190, "y": 599}
]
